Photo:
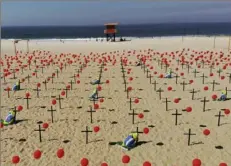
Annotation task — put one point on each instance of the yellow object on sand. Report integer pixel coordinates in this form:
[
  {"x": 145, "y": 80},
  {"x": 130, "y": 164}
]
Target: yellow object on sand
[{"x": 223, "y": 92}]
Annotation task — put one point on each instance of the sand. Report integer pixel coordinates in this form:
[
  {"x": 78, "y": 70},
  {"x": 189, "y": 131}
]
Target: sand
[{"x": 72, "y": 118}]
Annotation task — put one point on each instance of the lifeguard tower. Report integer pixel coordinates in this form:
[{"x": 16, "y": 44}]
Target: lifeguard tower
[{"x": 110, "y": 31}]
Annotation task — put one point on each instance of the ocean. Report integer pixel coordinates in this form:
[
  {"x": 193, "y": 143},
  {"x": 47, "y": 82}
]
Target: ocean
[{"x": 134, "y": 31}]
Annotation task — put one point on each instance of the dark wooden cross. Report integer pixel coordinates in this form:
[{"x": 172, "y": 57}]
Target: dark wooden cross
[
  {"x": 37, "y": 90},
  {"x": 66, "y": 90},
  {"x": 137, "y": 131},
  {"x": 8, "y": 91},
  {"x": 28, "y": 78},
  {"x": 166, "y": 67},
  {"x": 147, "y": 71},
  {"x": 176, "y": 114},
  {"x": 219, "y": 72},
  {"x": 203, "y": 78},
  {"x": 45, "y": 83},
  {"x": 214, "y": 83},
  {"x": 150, "y": 78},
  {"x": 219, "y": 118},
  {"x": 52, "y": 114},
  {"x": 144, "y": 67},
  {"x": 52, "y": 78},
  {"x": 14, "y": 77},
  {"x": 195, "y": 73},
  {"x": 160, "y": 91},
  {"x": 133, "y": 116},
  {"x": 188, "y": 67},
  {"x": 178, "y": 62},
  {"x": 130, "y": 103},
  {"x": 59, "y": 99},
  {"x": 177, "y": 78},
  {"x": 40, "y": 132},
  {"x": 161, "y": 65},
  {"x": 125, "y": 87},
  {"x": 27, "y": 102},
  {"x": 71, "y": 82},
  {"x": 57, "y": 73},
  {"x": 189, "y": 134},
  {"x": 229, "y": 77},
  {"x": 155, "y": 83},
  {"x": 211, "y": 68},
  {"x": 166, "y": 103},
  {"x": 91, "y": 113},
  {"x": 22, "y": 69},
  {"x": 182, "y": 65},
  {"x": 203, "y": 64},
  {"x": 204, "y": 103},
  {"x": 36, "y": 73},
  {"x": 15, "y": 114},
  {"x": 158, "y": 61},
  {"x": 183, "y": 84},
  {"x": 86, "y": 131},
  {"x": 193, "y": 92}
]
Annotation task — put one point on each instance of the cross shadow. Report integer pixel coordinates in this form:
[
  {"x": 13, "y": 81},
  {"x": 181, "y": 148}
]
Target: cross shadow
[
  {"x": 21, "y": 120},
  {"x": 142, "y": 142},
  {"x": 140, "y": 122},
  {"x": 98, "y": 140},
  {"x": 197, "y": 143},
  {"x": 223, "y": 124}
]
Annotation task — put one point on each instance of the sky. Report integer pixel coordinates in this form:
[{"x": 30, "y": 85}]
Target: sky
[{"x": 64, "y": 13}]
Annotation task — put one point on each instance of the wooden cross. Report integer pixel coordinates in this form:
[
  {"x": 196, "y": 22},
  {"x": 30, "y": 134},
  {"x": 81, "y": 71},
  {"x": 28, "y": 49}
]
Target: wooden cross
[
  {"x": 8, "y": 91},
  {"x": 52, "y": 114},
  {"x": 133, "y": 116},
  {"x": 91, "y": 111},
  {"x": 178, "y": 62},
  {"x": 150, "y": 78},
  {"x": 125, "y": 86},
  {"x": 203, "y": 78},
  {"x": 37, "y": 90},
  {"x": 189, "y": 136},
  {"x": 147, "y": 71},
  {"x": 182, "y": 65},
  {"x": 40, "y": 134},
  {"x": 130, "y": 103},
  {"x": 203, "y": 64},
  {"x": 161, "y": 65},
  {"x": 71, "y": 82},
  {"x": 219, "y": 72},
  {"x": 214, "y": 83},
  {"x": 158, "y": 62},
  {"x": 219, "y": 118},
  {"x": 155, "y": 85},
  {"x": 229, "y": 77},
  {"x": 52, "y": 79},
  {"x": 86, "y": 131},
  {"x": 144, "y": 67},
  {"x": 42, "y": 68},
  {"x": 166, "y": 103},
  {"x": 176, "y": 114},
  {"x": 45, "y": 83},
  {"x": 57, "y": 73},
  {"x": 137, "y": 131},
  {"x": 15, "y": 114},
  {"x": 59, "y": 99},
  {"x": 183, "y": 85},
  {"x": 188, "y": 67},
  {"x": 177, "y": 78},
  {"x": 160, "y": 91},
  {"x": 193, "y": 92},
  {"x": 36, "y": 73},
  {"x": 195, "y": 73},
  {"x": 27, "y": 102},
  {"x": 204, "y": 102},
  {"x": 66, "y": 91},
  {"x": 14, "y": 77},
  {"x": 166, "y": 67},
  {"x": 22, "y": 69},
  {"x": 211, "y": 68},
  {"x": 28, "y": 78}
]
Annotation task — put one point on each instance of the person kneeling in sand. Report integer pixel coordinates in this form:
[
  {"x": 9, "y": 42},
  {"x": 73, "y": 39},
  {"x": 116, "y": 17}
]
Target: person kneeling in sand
[
  {"x": 10, "y": 118},
  {"x": 94, "y": 95},
  {"x": 16, "y": 87},
  {"x": 95, "y": 82},
  {"x": 169, "y": 74},
  {"x": 223, "y": 96},
  {"x": 130, "y": 141}
]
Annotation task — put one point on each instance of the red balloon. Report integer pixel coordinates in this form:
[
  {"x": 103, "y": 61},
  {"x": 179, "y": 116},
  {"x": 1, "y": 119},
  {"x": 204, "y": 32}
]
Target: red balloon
[
  {"x": 104, "y": 164},
  {"x": 84, "y": 162},
  {"x": 125, "y": 159},
  {"x": 214, "y": 97},
  {"x": 45, "y": 125},
  {"x": 1, "y": 125},
  {"x": 190, "y": 81},
  {"x": 206, "y": 132},
  {"x": 107, "y": 81},
  {"x": 189, "y": 109},
  {"x": 140, "y": 115},
  {"x": 211, "y": 74},
  {"x": 161, "y": 76},
  {"x": 60, "y": 153},
  {"x": 78, "y": 81},
  {"x": 206, "y": 88},
  {"x": 96, "y": 129},
  {"x": 223, "y": 164},
  {"x": 136, "y": 101},
  {"x": 182, "y": 74},
  {"x": 99, "y": 88},
  {"x": 129, "y": 88},
  {"x": 227, "y": 111},
  {"x": 101, "y": 100},
  {"x": 222, "y": 77},
  {"x": 176, "y": 100},
  {"x": 20, "y": 108},
  {"x": 68, "y": 86},
  {"x": 196, "y": 162},
  {"x": 15, "y": 159},
  {"x": 147, "y": 163},
  {"x": 96, "y": 106},
  {"x": 63, "y": 93},
  {"x": 38, "y": 85},
  {"x": 53, "y": 102},
  {"x": 130, "y": 79},
  {"x": 169, "y": 88},
  {"x": 146, "y": 130},
  {"x": 27, "y": 94},
  {"x": 37, "y": 154}
]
